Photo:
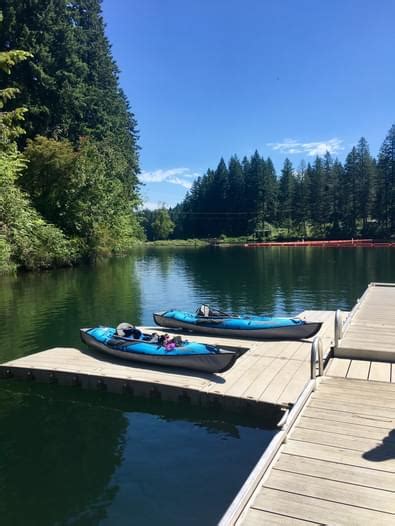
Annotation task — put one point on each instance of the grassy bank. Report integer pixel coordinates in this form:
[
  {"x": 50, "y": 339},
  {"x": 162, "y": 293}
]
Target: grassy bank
[{"x": 177, "y": 243}]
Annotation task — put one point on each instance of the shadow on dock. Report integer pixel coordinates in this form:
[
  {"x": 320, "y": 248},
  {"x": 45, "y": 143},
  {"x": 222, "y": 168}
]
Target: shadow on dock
[{"x": 385, "y": 451}]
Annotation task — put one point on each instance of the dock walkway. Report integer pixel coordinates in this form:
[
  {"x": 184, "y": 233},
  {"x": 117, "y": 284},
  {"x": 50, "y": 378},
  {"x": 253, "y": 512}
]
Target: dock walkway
[
  {"x": 264, "y": 381},
  {"x": 338, "y": 464},
  {"x": 369, "y": 331},
  {"x": 334, "y": 462}
]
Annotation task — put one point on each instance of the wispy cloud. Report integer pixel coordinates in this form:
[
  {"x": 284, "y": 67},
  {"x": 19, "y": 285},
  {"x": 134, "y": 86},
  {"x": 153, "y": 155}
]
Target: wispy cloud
[
  {"x": 291, "y": 146},
  {"x": 179, "y": 176},
  {"x": 151, "y": 205}
]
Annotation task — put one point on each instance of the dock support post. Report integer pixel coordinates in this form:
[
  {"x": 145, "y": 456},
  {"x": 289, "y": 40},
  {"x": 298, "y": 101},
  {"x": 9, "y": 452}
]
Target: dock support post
[
  {"x": 316, "y": 356},
  {"x": 338, "y": 327}
]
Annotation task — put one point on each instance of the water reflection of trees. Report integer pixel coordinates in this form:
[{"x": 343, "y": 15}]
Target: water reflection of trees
[
  {"x": 57, "y": 457},
  {"x": 38, "y": 311},
  {"x": 286, "y": 280},
  {"x": 63, "y": 451}
]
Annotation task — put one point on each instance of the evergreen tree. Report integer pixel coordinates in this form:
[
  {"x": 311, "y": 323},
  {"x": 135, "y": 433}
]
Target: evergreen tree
[
  {"x": 218, "y": 197},
  {"x": 301, "y": 201},
  {"x": 364, "y": 183},
  {"x": 328, "y": 189},
  {"x": 236, "y": 198},
  {"x": 254, "y": 191},
  {"x": 316, "y": 192},
  {"x": 271, "y": 192},
  {"x": 385, "y": 201},
  {"x": 71, "y": 85},
  {"x": 287, "y": 195},
  {"x": 349, "y": 211},
  {"x": 337, "y": 179}
]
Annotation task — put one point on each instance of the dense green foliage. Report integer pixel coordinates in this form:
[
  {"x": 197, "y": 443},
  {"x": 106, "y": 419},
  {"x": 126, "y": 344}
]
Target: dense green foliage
[
  {"x": 25, "y": 237},
  {"x": 322, "y": 199},
  {"x": 157, "y": 224},
  {"x": 28, "y": 240},
  {"x": 77, "y": 162}
]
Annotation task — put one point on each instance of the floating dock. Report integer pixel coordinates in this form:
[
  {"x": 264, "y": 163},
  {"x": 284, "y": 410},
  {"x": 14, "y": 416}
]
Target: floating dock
[
  {"x": 369, "y": 331},
  {"x": 338, "y": 463},
  {"x": 265, "y": 381},
  {"x": 333, "y": 460}
]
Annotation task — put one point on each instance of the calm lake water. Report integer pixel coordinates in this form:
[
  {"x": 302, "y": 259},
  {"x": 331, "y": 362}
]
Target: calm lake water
[{"x": 80, "y": 458}]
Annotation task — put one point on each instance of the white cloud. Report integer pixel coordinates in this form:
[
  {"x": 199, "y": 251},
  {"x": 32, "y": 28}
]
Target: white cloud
[
  {"x": 291, "y": 146},
  {"x": 179, "y": 176},
  {"x": 151, "y": 205}
]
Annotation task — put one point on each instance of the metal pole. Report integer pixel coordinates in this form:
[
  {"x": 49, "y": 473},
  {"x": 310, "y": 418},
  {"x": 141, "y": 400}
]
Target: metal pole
[{"x": 338, "y": 327}]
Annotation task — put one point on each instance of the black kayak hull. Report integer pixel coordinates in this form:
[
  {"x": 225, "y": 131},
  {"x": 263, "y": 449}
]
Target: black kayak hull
[
  {"x": 208, "y": 363},
  {"x": 292, "y": 332}
]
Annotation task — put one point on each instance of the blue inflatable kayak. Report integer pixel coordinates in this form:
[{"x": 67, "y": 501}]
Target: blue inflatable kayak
[
  {"x": 214, "y": 322},
  {"x": 190, "y": 355}
]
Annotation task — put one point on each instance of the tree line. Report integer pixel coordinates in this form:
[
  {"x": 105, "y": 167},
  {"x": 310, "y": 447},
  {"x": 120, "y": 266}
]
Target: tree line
[
  {"x": 69, "y": 160},
  {"x": 325, "y": 198}
]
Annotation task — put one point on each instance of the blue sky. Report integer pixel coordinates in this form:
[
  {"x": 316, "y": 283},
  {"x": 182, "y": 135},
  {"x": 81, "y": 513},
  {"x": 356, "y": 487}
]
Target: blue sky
[{"x": 212, "y": 78}]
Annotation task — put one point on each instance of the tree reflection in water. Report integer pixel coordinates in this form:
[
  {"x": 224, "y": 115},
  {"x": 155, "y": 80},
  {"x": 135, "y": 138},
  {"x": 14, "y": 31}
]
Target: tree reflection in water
[{"x": 69, "y": 456}]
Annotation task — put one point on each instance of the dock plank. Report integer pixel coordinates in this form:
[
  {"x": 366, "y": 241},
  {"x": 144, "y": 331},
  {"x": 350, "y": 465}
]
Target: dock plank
[
  {"x": 342, "y": 441},
  {"x": 351, "y": 474},
  {"x": 332, "y": 415},
  {"x": 349, "y": 383},
  {"x": 332, "y": 490},
  {"x": 305, "y": 507},
  {"x": 357, "y": 397},
  {"x": 343, "y": 428},
  {"x": 338, "y": 367},
  {"x": 355, "y": 409},
  {"x": 258, "y": 517},
  {"x": 336, "y": 454},
  {"x": 359, "y": 369}
]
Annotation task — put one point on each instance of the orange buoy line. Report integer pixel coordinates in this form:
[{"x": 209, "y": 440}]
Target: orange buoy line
[{"x": 368, "y": 243}]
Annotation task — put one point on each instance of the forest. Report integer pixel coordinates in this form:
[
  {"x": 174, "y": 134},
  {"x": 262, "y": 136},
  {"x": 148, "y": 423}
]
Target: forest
[
  {"x": 323, "y": 199},
  {"x": 69, "y": 158}
]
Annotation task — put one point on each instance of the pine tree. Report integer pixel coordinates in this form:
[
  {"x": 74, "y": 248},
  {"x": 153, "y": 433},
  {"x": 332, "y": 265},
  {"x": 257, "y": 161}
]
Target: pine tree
[
  {"x": 337, "y": 179},
  {"x": 328, "y": 189},
  {"x": 254, "y": 190},
  {"x": 385, "y": 201},
  {"x": 287, "y": 195},
  {"x": 349, "y": 212},
  {"x": 71, "y": 85},
  {"x": 316, "y": 192},
  {"x": 301, "y": 201},
  {"x": 236, "y": 197},
  {"x": 365, "y": 180},
  {"x": 219, "y": 199},
  {"x": 271, "y": 192}
]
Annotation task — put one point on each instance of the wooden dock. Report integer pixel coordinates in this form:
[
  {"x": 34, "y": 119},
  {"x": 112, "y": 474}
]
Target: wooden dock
[
  {"x": 334, "y": 461},
  {"x": 369, "y": 331},
  {"x": 338, "y": 464},
  {"x": 265, "y": 381}
]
